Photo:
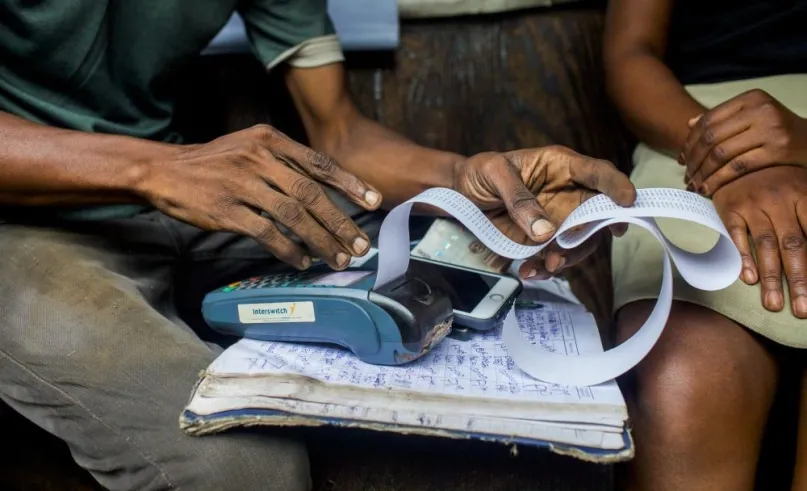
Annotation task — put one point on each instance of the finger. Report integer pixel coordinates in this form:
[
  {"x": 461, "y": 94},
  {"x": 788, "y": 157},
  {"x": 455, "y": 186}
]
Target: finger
[
  {"x": 292, "y": 214},
  {"x": 558, "y": 259},
  {"x": 316, "y": 202},
  {"x": 707, "y": 144},
  {"x": 602, "y": 176},
  {"x": 714, "y": 116},
  {"x": 724, "y": 153},
  {"x": 738, "y": 230},
  {"x": 800, "y": 304},
  {"x": 521, "y": 204},
  {"x": 534, "y": 269},
  {"x": 263, "y": 231},
  {"x": 722, "y": 111},
  {"x": 320, "y": 167},
  {"x": 793, "y": 249},
  {"x": 618, "y": 229},
  {"x": 768, "y": 260},
  {"x": 738, "y": 166}
]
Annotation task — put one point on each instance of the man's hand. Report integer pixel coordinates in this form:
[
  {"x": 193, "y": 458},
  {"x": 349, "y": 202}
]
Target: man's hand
[
  {"x": 227, "y": 184},
  {"x": 528, "y": 193},
  {"x": 744, "y": 134},
  {"x": 771, "y": 206}
]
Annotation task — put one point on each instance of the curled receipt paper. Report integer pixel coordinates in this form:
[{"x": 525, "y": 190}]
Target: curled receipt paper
[{"x": 713, "y": 270}]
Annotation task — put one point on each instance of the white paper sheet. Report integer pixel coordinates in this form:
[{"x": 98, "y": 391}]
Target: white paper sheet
[
  {"x": 595, "y": 436},
  {"x": 479, "y": 367},
  {"x": 713, "y": 270}
]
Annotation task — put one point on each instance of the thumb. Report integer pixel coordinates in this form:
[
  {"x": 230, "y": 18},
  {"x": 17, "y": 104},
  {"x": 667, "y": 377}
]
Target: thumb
[{"x": 521, "y": 204}]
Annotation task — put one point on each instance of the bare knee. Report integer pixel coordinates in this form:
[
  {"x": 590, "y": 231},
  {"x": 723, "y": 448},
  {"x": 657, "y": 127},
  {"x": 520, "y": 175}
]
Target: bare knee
[{"x": 705, "y": 371}]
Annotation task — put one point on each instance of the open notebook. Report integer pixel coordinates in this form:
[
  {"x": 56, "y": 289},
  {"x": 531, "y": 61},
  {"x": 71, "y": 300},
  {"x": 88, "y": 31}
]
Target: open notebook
[{"x": 462, "y": 389}]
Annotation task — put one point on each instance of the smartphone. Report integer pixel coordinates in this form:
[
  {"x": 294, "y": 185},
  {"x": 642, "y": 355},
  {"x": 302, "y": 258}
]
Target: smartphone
[{"x": 480, "y": 299}]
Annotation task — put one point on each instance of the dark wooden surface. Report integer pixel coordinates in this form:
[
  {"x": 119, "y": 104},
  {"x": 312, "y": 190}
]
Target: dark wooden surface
[{"x": 466, "y": 85}]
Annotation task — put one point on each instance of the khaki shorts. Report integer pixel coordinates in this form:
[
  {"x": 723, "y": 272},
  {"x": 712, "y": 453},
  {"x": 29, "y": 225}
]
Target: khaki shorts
[{"x": 637, "y": 257}]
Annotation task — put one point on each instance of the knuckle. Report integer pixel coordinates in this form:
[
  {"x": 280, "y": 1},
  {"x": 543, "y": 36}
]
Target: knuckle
[
  {"x": 766, "y": 241},
  {"x": 322, "y": 164},
  {"x": 597, "y": 167},
  {"x": 772, "y": 279},
  {"x": 769, "y": 110},
  {"x": 307, "y": 192},
  {"x": 708, "y": 137},
  {"x": 241, "y": 155},
  {"x": 494, "y": 163},
  {"x": 266, "y": 233},
  {"x": 560, "y": 149},
  {"x": 705, "y": 121},
  {"x": 719, "y": 154},
  {"x": 263, "y": 130},
  {"x": 249, "y": 148},
  {"x": 798, "y": 281},
  {"x": 522, "y": 200},
  {"x": 341, "y": 226},
  {"x": 290, "y": 212},
  {"x": 285, "y": 250},
  {"x": 784, "y": 140},
  {"x": 739, "y": 166},
  {"x": 757, "y": 94},
  {"x": 793, "y": 243}
]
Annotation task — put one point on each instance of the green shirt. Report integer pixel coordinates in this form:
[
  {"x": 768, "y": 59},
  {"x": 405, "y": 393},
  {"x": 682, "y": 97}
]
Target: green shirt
[{"x": 106, "y": 66}]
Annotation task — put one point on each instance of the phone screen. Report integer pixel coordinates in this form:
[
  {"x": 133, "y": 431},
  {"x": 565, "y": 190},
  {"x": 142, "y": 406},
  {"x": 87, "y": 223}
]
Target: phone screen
[{"x": 466, "y": 288}]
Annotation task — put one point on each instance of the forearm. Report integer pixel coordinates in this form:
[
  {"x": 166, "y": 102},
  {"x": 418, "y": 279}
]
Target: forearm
[
  {"x": 652, "y": 102},
  {"x": 396, "y": 166},
  {"x": 42, "y": 165}
]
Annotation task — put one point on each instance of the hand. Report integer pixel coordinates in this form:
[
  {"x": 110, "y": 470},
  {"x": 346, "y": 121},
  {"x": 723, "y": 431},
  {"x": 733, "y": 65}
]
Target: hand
[
  {"x": 226, "y": 185},
  {"x": 528, "y": 193},
  {"x": 744, "y": 134},
  {"x": 771, "y": 206}
]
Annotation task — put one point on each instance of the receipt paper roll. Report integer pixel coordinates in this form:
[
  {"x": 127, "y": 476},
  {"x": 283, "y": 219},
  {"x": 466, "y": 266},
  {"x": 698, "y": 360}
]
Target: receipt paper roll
[{"x": 713, "y": 270}]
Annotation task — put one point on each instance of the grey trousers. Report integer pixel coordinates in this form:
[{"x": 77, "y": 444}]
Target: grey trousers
[{"x": 101, "y": 341}]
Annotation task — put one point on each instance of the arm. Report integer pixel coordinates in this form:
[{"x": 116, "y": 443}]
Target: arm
[
  {"x": 395, "y": 166},
  {"x": 41, "y": 165},
  {"x": 653, "y": 103},
  {"x": 526, "y": 193},
  {"x": 219, "y": 186}
]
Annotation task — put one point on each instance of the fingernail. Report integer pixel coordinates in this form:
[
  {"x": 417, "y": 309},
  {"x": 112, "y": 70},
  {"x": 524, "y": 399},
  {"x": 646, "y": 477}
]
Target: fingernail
[
  {"x": 371, "y": 197},
  {"x": 342, "y": 259},
  {"x": 749, "y": 276},
  {"x": 306, "y": 262},
  {"x": 542, "y": 227},
  {"x": 800, "y": 307},
  {"x": 535, "y": 275},
  {"x": 360, "y": 245},
  {"x": 774, "y": 300},
  {"x": 558, "y": 263}
]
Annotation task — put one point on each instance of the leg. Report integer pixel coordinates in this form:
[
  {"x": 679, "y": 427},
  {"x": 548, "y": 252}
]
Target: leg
[
  {"x": 698, "y": 402},
  {"x": 800, "y": 472},
  {"x": 85, "y": 355}
]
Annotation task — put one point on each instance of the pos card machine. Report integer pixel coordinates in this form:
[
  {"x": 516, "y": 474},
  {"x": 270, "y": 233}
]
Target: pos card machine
[{"x": 393, "y": 325}]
